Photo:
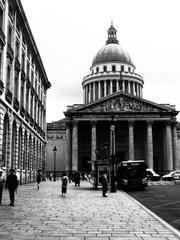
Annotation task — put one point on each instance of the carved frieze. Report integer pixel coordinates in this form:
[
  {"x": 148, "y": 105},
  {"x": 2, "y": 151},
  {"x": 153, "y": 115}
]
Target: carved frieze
[
  {"x": 56, "y": 136},
  {"x": 122, "y": 104}
]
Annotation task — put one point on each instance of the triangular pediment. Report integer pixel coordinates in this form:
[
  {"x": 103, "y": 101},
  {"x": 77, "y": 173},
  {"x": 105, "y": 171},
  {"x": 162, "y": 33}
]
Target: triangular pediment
[{"x": 122, "y": 102}]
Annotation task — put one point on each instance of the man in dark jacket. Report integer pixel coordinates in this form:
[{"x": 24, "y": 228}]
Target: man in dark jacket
[
  {"x": 104, "y": 184},
  {"x": 11, "y": 184}
]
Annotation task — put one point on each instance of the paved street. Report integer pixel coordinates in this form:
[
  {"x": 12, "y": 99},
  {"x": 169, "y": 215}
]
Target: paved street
[{"x": 82, "y": 215}]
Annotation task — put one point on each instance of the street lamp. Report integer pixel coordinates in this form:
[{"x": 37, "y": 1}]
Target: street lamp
[
  {"x": 113, "y": 158},
  {"x": 55, "y": 151},
  {"x": 96, "y": 169}
]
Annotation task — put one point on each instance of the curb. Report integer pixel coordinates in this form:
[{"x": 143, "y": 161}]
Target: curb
[{"x": 167, "y": 225}]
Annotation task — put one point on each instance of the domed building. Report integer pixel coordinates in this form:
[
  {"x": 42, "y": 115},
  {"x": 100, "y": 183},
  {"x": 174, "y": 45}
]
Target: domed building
[{"x": 115, "y": 122}]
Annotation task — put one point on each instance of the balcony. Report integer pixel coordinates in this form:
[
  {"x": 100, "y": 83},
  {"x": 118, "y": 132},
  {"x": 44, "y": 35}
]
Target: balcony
[
  {"x": 10, "y": 51},
  {"x": 22, "y": 111},
  {"x": 31, "y": 121},
  {"x": 16, "y": 104},
  {"x": 1, "y": 86},
  {"x": 27, "y": 116},
  {"x": 17, "y": 64},
  {"x": 8, "y": 96},
  {"x": 2, "y": 37},
  {"x": 28, "y": 83},
  {"x": 23, "y": 74}
]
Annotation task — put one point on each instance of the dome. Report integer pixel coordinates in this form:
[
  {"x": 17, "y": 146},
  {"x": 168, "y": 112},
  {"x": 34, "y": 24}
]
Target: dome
[{"x": 112, "y": 52}]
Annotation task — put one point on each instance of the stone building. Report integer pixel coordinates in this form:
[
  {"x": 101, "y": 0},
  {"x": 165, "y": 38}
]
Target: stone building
[
  {"x": 23, "y": 88},
  {"x": 115, "y": 122}
]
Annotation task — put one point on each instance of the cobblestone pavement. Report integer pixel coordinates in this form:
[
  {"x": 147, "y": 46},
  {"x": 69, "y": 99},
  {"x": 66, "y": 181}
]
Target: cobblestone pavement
[{"x": 82, "y": 215}]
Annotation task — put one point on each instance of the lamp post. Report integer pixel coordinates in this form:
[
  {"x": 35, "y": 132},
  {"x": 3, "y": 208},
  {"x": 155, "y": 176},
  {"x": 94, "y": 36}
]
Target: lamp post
[
  {"x": 55, "y": 151},
  {"x": 113, "y": 180},
  {"x": 96, "y": 168}
]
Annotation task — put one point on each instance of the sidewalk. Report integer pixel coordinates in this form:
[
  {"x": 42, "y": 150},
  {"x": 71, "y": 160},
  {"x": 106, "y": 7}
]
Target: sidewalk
[{"x": 82, "y": 215}]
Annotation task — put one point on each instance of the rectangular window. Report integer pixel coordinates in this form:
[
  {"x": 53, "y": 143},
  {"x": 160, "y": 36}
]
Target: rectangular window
[
  {"x": 8, "y": 77},
  {"x": 1, "y": 19},
  {"x": 22, "y": 93},
  {"x": 16, "y": 85},
  {"x": 17, "y": 49},
  {"x": 9, "y": 36}
]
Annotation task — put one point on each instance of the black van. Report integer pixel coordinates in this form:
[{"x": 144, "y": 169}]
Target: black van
[{"x": 132, "y": 174}]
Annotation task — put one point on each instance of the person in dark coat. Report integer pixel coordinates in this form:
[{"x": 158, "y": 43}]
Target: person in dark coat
[
  {"x": 104, "y": 184},
  {"x": 11, "y": 184},
  {"x": 38, "y": 178},
  {"x": 64, "y": 184},
  {"x": 77, "y": 178}
]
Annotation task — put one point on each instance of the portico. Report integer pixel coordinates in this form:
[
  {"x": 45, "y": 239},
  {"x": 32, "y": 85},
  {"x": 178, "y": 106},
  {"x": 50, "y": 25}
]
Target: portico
[{"x": 148, "y": 133}]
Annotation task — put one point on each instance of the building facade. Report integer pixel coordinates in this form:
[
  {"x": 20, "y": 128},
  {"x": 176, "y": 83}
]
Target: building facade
[
  {"x": 115, "y": 122},
  {"x": 23, "y": 89}
]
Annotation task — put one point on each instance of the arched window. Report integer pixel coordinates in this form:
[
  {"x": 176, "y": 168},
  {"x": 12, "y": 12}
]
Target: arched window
[
  {"x": 19, "y": 166},
  {"x": 122, "y": 68},
  {"x": 113, "y": 68},
  {"x": 97, "y": 69},
  {"x": 105, "y": 68},
  {"x": 5, "y": 155},
  {"x": 13, "y": 151}
]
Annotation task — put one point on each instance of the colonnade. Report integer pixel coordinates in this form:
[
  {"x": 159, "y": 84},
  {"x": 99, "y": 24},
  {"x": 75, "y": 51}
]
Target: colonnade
[
  {"x": 21, "y": 149},
  {"x": 170, "y": 161},
  {"x": 101, "y": 88}
]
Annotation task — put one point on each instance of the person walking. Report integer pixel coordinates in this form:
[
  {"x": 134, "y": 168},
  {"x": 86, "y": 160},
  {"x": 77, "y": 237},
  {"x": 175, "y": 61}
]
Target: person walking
[
  {"x": 1, "y": 185},
  {"x": 104, "y": 184},
  {"x": 38, "y": 178},
  {"x": 77, "y": 178},
  {"x": 64, "y": 184},
  {"x": 11, "y": 184}
]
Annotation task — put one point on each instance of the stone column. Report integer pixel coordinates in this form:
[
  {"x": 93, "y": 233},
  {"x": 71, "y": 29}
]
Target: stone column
[
  {"x": 112, "y": 139},
  {"x": 169, "y": 160},
  {"x": 111, "y": 87},
  {"x": 90, "y": 92},
  {"x": 129, "y": 88},
  {"x": 86, "y": 94},
  {"x": 94, "y": 91},
  {"x": 137, "y": 87},
  {"x": 105, "y": 88},
  {"x": 134, "y": 89},
  {"x": 131, "y": 140},
  {"x": 123, "y": 86},
  {"x": 99, "y": 90},
  {"x": 68, "y": 147},
  {"x": 174, "y": 145},
  {"x": 117, "y": 85},
  {"x": 149, "y": 145},
  {"x": 75, "y": 146},
  {"x": 93, "y": 143}
]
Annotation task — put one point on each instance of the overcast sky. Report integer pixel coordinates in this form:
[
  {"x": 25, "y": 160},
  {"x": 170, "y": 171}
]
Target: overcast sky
[{"x": 69, "y": 33}]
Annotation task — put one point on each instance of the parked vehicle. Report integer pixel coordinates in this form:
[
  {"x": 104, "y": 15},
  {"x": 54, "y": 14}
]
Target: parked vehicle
[
  {"x": 152, "y": 175},
  {"x": 176, "y": 175},
  {"x": 169, "y": 176},
  {"x": 132, "y": 174}
]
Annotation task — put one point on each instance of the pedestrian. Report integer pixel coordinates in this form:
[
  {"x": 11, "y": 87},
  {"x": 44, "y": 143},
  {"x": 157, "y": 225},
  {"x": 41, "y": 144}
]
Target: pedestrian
[
  {"x": 104, "y": 184},
  {"x": 64, "y": 184},
  {"x": 38, "y": 178},
  {"x": 77, "y": 178},
  {"x": 11, "y": 184},
  {"x": 1, "y": 185}
]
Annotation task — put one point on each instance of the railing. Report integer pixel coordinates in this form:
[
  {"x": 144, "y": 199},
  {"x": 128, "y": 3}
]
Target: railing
[
  {"x": 2, "y": 37},
  {"x": 16, "y": 104},
  {"x": 8, "y": 96},
  {"x": 1, "y": 86}
]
